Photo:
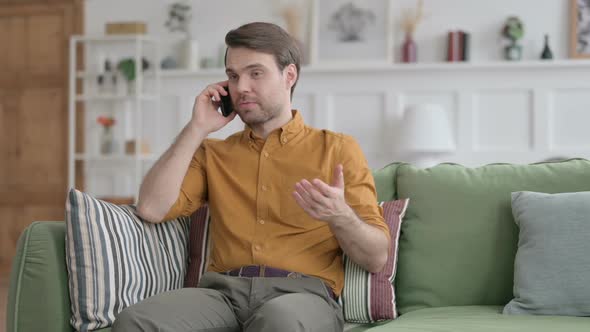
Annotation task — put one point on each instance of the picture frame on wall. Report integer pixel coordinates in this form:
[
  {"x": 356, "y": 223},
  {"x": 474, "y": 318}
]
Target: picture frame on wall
[
  {"x": 580, "y": 29},
  {"x": 351, "y": 32}
]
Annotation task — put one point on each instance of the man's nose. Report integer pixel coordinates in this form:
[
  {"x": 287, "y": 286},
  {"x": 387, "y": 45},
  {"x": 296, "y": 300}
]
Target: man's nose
[{"x": 243, "y": 85}]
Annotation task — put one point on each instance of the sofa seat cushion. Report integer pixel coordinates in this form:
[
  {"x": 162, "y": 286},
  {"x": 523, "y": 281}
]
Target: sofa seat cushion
[
  {"x": 481, "y": 319},
  {"x": 348, "y": 327}
]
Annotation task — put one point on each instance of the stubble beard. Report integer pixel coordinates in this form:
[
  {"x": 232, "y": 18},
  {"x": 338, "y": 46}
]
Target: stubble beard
[{"x": 262, "y": 116}]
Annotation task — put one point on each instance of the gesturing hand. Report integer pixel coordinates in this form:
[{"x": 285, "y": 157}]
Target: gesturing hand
[{"x": 322, "y": 201}]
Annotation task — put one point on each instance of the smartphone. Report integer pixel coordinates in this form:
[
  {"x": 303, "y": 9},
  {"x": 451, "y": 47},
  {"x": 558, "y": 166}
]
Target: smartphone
[{"x": 226, "y": 104}]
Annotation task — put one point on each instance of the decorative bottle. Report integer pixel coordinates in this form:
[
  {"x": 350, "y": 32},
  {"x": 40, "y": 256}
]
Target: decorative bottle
[{"x": 547, "y": 53}]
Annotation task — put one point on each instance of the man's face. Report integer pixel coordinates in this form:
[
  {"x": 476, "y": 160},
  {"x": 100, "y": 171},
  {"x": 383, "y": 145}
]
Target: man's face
[{"x": 259, "y": 90}]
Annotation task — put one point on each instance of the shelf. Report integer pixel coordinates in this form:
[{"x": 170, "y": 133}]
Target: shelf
[
  {"x": 95, "y": 74},
  {"x": 114, "y": 38},
  {"x": 184, "y": 72},
  {"x": 384, "y": 67},
  {"x": 114, "y": 157},
  {"x": 114, "y": 98}
]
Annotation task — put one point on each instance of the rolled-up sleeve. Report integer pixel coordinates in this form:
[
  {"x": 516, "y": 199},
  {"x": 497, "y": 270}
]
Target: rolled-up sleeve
[
  {"x": 193, "y": 192},
  {"x": 359, "y": 185}
]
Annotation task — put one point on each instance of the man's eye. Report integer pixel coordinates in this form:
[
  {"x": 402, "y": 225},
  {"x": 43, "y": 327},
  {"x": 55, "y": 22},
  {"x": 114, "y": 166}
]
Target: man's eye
[
  {"x": 232, "y": 77},
  {"x": 256, "y": 74}
]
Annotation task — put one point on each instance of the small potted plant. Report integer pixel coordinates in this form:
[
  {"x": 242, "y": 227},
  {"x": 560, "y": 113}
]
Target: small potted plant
[
  {"x": 514, "y": 31},
  {"x": 127, "y": 68},
  {"x": 107, "y": 141}
]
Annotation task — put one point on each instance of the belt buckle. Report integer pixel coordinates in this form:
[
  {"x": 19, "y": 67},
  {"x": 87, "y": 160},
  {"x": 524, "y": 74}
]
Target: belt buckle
[{"x": 293, "y": 275}]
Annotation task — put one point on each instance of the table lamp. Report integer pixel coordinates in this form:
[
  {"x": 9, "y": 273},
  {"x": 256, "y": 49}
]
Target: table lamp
[{"x": 425, "y": 134}]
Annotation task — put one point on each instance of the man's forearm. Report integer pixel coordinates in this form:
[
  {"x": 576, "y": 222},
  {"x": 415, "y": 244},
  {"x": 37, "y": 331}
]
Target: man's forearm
[
  {"x": 160, "y": 187},
  {"x": 364, "y": 244}
]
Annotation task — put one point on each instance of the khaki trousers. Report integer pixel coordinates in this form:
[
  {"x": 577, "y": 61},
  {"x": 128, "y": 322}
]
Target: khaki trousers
[{"x": 227, "y": 303}]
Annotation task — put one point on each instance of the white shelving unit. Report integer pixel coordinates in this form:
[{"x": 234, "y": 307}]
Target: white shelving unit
[{"x": 137, "y": 47}]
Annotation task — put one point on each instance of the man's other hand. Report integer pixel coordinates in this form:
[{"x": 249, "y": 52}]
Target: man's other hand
[{"x": 322, "y": 201}]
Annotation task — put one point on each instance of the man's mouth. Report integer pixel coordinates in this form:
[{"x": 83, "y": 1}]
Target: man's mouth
[{"x": 246, "y": 104}]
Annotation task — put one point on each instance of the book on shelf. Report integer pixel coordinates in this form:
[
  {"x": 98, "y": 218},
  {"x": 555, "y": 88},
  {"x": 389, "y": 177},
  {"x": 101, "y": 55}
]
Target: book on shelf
[
  {"x": 466, "y": 36},
  {"x": 458, "y": 46}
]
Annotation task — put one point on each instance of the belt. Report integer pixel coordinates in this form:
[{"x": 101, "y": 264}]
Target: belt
[
  {"x": 270, "y": 272},
  {"x": 262, "y": 271}
]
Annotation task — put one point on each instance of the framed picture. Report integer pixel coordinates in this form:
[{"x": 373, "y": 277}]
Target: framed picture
[
  {"x": 580, "y": 29},
  {"x": 351, "y": 32}
]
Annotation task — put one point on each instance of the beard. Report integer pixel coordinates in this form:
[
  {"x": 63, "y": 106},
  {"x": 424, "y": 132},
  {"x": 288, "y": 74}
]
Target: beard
[{"x": 259, "y": 115}]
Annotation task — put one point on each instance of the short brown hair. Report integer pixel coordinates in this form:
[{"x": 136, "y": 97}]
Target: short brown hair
[{"x": 267, "y": 38}]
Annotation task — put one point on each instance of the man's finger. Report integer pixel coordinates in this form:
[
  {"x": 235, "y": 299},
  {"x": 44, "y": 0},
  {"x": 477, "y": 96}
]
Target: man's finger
[
  {"x": 314, "y": 193},
  {"x": 304, "y": 205},
  {"x": 323, "y": 187},
  {"x": 305, "y": 195},
  {"x": 300, "y": 201},
  {"x": 214, "y": 93}
]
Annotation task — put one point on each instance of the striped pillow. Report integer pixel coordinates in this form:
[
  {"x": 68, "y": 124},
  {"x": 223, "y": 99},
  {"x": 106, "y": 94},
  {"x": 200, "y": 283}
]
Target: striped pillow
[
  {"x": 366, "y": 297},
  {"x": 115, "y": 259},
  {"x": 370, "y": 297}
]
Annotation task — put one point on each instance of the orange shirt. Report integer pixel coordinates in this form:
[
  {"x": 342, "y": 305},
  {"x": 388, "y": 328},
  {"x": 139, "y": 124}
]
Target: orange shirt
[{"x": 255, "y": 220}]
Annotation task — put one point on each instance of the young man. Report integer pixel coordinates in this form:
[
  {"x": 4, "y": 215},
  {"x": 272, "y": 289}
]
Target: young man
[{"x": 286, "y": 201}]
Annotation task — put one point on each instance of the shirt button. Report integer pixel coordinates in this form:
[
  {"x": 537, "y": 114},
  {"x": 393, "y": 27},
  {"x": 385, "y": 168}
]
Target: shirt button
[
  {"x": 257, "y": 248},
  {"x": 264, "y": 188},
  {"x": 284, "y": 139},
  {"x": 261, "y": 221},
  {"x": 265, "y": 154}
]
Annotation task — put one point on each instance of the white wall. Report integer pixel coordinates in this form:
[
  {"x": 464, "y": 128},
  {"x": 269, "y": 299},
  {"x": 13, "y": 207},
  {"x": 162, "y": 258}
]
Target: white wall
[
  {"x": 500, "y": 112},
  {"x": 483, "y": 18}
]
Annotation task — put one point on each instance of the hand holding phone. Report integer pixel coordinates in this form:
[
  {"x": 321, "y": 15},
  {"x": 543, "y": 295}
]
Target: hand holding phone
[{"x": 226, "y": 104}]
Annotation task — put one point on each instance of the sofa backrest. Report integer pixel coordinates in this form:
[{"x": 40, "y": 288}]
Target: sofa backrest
[
  {"x": 458, "y": 238},
  {"x": 385, "y": 182}
]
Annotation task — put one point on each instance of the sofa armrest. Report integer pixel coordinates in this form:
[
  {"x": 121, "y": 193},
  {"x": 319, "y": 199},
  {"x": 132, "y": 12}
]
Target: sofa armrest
[{"x": 38, "y": 298}]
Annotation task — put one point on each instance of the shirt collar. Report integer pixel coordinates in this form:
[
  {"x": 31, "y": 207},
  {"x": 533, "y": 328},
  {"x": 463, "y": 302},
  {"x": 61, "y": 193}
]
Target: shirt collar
[{"x": 286, "y": 132}]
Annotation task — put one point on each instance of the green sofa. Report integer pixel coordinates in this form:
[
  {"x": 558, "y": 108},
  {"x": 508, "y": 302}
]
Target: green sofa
[{"x": 456, "y": 254}]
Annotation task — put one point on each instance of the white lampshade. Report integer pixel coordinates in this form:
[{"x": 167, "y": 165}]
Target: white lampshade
[{"x": 426, "y": 128}]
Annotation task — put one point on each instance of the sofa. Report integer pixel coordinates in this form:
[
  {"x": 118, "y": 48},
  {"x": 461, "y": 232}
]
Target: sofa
[{"x": 456, "y": 251}]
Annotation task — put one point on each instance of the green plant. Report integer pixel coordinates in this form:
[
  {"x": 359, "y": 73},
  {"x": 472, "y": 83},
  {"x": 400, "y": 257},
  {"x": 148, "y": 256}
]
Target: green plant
[
  {"x": 513, "y": 29},
  {"x": 127, "y": 67}
]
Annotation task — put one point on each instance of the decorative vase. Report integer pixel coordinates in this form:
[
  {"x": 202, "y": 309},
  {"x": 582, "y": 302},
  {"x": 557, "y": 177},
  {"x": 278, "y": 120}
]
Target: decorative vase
[
  {"x": 547, "y": 54},
  {"x": 513, "y": 52},
  {"x": 409, "y": 50},
  {"x": 189, "y": 54},
  {"x": 107, "y": 141}
]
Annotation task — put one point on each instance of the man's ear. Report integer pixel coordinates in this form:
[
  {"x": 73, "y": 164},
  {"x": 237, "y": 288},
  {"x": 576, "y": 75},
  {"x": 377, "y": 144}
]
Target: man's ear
[{"x": 290, "y": 72}]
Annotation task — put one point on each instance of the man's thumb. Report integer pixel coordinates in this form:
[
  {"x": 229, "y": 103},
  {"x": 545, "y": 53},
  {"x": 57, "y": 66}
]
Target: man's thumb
[{"x": 338, "y": 178}]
